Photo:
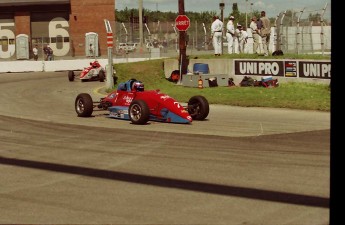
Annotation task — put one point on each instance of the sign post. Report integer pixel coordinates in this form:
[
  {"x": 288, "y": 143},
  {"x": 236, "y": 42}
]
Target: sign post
[
  {"x": 109, "y": 67},
  {"x": 182, "y": 23}
]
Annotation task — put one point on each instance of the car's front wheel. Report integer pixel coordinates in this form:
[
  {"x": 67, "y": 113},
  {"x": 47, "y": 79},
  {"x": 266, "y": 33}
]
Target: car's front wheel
[
  {"x": 101, "y": 76},
  {"x": 83, "y": 105},
  {"x": 71, "y": 75},
  {"x": 198, "y": 107},
  {"x": 139, "y": 112}
]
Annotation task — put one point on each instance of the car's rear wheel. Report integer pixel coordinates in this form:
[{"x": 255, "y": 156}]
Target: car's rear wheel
[
  {"x": 198, "y": 107},
  {"x": 139, "y": 112},
  {"x": 83, "y": 105},
  {"x": 71, "y": 75},
  {"x": 101, "y": 76}
]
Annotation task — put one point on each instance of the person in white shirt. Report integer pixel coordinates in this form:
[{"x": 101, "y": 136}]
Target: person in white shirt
[
  {"x": 217, "y": 35},
  {"x": 242, "y": 38},
  {"x": 236, "y": 40},
  {"x": 256, "y": 35},
  {"x": 35, "y": 52},
  {"x": 230, "y": 32}
]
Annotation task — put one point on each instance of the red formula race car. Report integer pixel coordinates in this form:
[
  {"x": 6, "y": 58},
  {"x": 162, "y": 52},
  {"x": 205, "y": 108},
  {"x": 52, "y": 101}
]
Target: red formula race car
[
  {"x": 131, "y": 102},
  {"x": 93, "y": 72}
]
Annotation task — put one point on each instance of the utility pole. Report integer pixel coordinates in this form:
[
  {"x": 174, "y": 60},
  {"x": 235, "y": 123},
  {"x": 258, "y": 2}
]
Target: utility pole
[
  {"x": 246, "y": 14},
  {"x": 182, "y": 42},
  {"x": 141, "y": 36},
  {"x": 221, "y": 6}
]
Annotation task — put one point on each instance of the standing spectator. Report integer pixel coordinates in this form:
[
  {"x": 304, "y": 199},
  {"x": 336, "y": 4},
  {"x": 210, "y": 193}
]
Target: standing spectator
[
  {"x": 230, "y": 32},
  {"x": 217, "y": 35},
  {"x": 255, "y": 33},
  {"x": 50, "y": 53},
  {"x": 155, "y": 43},
  {"x": 265, "y": 32},
  {"x": 46, "y": 52},
  {"x": 242, "y": 38},
  {"x": 236, "y": 39},
  {"x": 35, "y": 52},
  {"x": 165, "y": 45},
  {"x": 259, "y": 24}
]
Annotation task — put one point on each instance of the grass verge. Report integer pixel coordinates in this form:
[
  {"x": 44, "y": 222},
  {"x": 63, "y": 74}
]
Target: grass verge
[{"x": 293, "y": 95}]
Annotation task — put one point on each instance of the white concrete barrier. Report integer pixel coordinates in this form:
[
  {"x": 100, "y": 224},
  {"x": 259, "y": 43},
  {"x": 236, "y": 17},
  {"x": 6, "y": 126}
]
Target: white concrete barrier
[{"x": 56, "y": 65}]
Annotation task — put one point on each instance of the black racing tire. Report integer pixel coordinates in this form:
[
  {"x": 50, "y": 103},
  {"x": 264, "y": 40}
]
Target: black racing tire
[
  {"x": 198, "y": 107},
  {"x": 83, "y": 105},
  {"x": 71, "y": 75},
  {"x": 139, "y": 112},
  {"x": 101, "y": 76}
]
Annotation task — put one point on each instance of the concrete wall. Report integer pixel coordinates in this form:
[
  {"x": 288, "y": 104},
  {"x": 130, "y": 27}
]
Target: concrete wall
[
  {"x": 220, "y": 66},
  {"x": 58, "y": 65},
  {"x": 226, "y": 66}
]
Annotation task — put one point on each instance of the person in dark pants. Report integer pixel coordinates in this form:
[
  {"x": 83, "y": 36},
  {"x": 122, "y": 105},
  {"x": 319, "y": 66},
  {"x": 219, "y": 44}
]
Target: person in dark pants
[
  {"x": 35, "y": 52},
  {"x": 46, "y": 52},
  {"x": 50, "y": 53}
]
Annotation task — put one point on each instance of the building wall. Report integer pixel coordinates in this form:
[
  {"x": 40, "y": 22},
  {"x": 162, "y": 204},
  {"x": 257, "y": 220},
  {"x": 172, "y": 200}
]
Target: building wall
[
  {"x": 61, "y": 24},
  {"x": 22, "y": 21},
  {"x": 88, "y": 16}
]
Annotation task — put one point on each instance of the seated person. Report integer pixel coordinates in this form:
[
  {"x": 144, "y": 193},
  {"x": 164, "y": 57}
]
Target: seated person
[
  {"x": 131, "y": 85},
  {"x": 95, "y": 64}
]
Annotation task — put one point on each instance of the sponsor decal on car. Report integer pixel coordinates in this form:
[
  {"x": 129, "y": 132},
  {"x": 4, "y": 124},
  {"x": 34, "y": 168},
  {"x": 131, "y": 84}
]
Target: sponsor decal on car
[
  {"x": 118, "y": 114},
  {"x": 165, "y": 97},
  {"x": 113, "y": 95},
  {"x": 178, "y": 105},
  {"x": 127, "y": 99}
]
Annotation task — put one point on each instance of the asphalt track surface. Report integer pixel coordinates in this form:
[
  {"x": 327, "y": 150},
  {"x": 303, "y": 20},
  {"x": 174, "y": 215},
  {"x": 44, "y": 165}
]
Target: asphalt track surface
[{"x": 240, "y": 166}]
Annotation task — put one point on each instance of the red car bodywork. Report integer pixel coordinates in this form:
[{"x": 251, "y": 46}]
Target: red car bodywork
[
  {"x": 142, "y": 106},
  {"x": 93, "y": 72}
]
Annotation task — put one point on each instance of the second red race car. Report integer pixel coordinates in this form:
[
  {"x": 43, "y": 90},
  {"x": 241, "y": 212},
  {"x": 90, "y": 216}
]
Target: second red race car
[
  {"x": 131, "y": 102},
  {"x": 93, "y": 72}
]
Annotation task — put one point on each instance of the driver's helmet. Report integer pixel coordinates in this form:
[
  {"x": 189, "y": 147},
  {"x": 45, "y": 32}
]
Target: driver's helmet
[
  {"x": 138, "y": 86},
  {"x": 95, "y": 64}
]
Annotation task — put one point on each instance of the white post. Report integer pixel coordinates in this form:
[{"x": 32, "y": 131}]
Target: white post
[
  {"x": 141, "y": 35},
  {"x": 246, "y": 14},
  {"x": 109, "y": 67}
]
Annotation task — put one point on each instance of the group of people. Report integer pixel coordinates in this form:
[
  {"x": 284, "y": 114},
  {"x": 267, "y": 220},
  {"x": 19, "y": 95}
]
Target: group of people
[
  {"x": 237, "y": 36},
  {"x": 48, "y": 52}
]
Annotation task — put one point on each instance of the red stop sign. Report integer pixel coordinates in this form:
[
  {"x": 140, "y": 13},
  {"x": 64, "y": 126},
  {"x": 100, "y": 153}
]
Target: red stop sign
[{"x": 182, "y": 22}]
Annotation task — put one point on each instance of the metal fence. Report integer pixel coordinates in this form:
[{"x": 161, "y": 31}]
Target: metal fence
[
  {"x": 297, "y": 33},
  {"x": 292, "y": 32}
]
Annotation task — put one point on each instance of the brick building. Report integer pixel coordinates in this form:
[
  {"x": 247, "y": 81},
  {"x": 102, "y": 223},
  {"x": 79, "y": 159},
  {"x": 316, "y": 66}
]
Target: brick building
[{"x": 63, "y": 24}]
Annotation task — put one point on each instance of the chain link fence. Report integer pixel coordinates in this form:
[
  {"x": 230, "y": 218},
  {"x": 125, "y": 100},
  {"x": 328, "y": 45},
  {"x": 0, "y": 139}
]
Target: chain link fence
[
  {"x": 299, "y": 33},
  {"x": 293, "y": 32},
  {"x": 304, "y": 31}
]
